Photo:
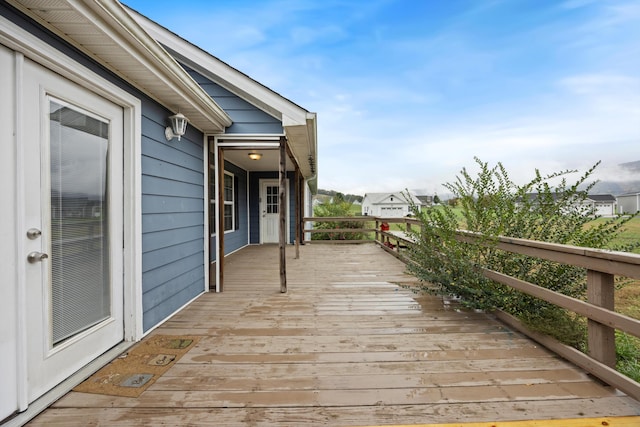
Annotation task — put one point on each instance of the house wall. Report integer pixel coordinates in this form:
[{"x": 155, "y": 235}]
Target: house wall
[
  {"x": 172, "y": 195},
  {"x": 629, "y": 203},
  {"x": 172, "y": 217},
  {"x": 247, "y": 119},
  {"x": 389, "y": 210},
  {"x": 605, "y": 208}
]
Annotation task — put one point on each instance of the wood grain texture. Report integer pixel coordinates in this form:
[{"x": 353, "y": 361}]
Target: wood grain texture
[{"x": 350, "y": 343}]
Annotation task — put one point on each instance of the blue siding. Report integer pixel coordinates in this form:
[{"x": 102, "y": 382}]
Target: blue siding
[
  {"x": 172, "y": 195},
  {"x": 172, "y": 217},
  {"x": 254, "y": 204},
  {"x": 247, "y": 118}
]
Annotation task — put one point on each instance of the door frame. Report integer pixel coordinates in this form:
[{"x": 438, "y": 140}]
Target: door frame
[
  {"x": 26, "y": 45},
  {"x": 261, "y": 183},
  {"x": 48, "y": 363}
]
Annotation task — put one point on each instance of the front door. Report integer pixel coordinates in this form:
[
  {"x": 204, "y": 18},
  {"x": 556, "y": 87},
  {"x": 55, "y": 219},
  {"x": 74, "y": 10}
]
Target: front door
[
  {"x": 72, "y": 179},
  {"x": 270, "y": 211}
]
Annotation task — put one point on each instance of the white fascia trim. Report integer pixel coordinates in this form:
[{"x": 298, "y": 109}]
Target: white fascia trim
[
  {"x": 225, "y": 75},
  {"x": 216, "y": 192},
  {"x": 249, "y": 145},
  {"x": 207, "y": 236},
  {"x": 111, "y": 18},
  {"x": 35, "y": 49},
  {"x": 250, "y": 136},
  {"x": 128, "y": 28}
]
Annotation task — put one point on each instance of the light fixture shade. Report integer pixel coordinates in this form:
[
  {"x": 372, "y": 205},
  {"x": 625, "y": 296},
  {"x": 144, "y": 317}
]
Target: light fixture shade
[
  {"x": 178, "y": 126},
  {"x": 255, "y": 156}
]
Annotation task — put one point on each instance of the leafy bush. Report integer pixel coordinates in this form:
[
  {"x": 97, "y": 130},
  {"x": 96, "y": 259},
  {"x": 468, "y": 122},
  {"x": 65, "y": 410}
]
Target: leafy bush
[
  {"x": 493, "y": 205},
  {"x": 336, "y": 207}
]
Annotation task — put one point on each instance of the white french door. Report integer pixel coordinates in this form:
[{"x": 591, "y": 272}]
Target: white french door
[
  {"x": 270, "y": 211},
  {"x": 73, "y": 192}
]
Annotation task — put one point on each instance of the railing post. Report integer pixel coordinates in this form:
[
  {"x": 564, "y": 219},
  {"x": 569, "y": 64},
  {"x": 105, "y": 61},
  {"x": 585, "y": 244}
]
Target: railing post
[
  {"x": 601, "y": 338},
  {"x": 377, "y": 230}
]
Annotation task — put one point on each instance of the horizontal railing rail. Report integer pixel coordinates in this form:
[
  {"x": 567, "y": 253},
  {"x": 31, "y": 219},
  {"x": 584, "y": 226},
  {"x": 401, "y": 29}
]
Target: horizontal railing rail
[{"x": 602, "y": 267}]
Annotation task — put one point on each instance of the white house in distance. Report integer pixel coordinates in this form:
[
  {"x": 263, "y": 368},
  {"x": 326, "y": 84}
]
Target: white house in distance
[
  {"x": 628, "y": 203},
  {"x": 389, "y": 205},
  {"x": 603, "y": 204}
]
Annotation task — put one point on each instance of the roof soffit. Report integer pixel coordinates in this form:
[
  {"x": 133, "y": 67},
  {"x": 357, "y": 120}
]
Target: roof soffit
[{"x": 106, "y": 32}]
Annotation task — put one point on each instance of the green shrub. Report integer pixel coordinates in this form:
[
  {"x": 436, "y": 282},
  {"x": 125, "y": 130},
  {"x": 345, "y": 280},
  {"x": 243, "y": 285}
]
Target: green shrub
[
  {"x": 492, "y": 205},
  {"x": 336, "y": 207}
]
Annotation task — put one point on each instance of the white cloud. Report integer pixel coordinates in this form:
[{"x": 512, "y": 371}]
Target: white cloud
[{"x": 553, "y": 86}]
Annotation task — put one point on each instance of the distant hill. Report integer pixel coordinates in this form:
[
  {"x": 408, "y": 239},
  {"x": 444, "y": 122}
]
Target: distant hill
[
  {"x": 628, "y": 181},
  {"x": 631, "y": 166},
  {"x": 348, "y": 197}
]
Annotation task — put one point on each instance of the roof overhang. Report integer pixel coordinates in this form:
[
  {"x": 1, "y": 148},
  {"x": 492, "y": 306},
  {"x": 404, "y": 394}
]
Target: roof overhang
[
  {"x": 299, "y": 125},
  {"x": 106, "y": 32}
]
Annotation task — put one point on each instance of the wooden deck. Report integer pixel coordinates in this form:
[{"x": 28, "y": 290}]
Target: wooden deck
[{"x": 345, "y": 346}]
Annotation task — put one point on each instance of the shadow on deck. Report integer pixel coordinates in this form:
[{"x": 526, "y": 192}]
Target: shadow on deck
[{"x": 347, "y": 345}]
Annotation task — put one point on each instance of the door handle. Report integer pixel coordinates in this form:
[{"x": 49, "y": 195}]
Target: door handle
[
  {"x": 33, "y": 233},
  {"x": 34, "y": 257}
]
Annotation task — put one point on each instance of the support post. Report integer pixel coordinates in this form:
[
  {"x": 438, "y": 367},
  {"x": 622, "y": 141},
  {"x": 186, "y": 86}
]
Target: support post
[
  {"x": 302, "y": 200},
  {"x": 601, "y": 338},
  {"x": 282, "y": 213},
  {"x": 298, "y": 217},
  {"x": 220, "y": 228}
]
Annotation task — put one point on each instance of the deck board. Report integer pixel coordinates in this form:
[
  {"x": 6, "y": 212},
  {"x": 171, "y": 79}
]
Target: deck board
[{"x": 349, "y": 344}]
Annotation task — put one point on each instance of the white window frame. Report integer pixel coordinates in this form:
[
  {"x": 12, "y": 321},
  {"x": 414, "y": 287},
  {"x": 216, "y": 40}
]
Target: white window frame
[{"x": 231, "y": 202}]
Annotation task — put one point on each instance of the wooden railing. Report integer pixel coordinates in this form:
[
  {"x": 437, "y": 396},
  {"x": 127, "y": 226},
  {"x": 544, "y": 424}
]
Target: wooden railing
[{"x": 602, "y": 267}]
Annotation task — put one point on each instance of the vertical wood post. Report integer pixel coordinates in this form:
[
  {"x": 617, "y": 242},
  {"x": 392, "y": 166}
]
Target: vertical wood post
[
  {"x": 282, "y": 212},
  {"x": 601, "y": 338},
  {"x": 378, "y": 230},
  {"x": 298, "y": 217},
  {"x": 220, "y": 227},
  {"x": 302, "y": 200}
]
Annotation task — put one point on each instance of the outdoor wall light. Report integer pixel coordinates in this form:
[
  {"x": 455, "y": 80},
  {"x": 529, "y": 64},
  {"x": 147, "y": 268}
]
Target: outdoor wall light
[
  {"x": 255, "y": 156},
  {"x": 178, "y": 127}
]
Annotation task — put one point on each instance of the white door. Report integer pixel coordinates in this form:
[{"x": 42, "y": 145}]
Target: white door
[
  {"x": 72, "y": 178},
  {"x": 270, "y": 211}
]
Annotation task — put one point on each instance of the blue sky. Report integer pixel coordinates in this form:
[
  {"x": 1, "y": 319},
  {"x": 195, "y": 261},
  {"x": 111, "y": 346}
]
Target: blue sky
[{"x": 409, "y": 91}]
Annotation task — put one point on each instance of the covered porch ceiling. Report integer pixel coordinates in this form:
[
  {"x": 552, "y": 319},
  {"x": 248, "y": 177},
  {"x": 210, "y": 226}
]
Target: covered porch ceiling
[{"x": 269, "y": 161}]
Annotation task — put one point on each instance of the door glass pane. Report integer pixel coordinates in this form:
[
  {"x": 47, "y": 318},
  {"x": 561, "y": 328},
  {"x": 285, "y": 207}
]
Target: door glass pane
[
  {"x": 80, "y": 282},
  {"x": 272, "y": 199}
]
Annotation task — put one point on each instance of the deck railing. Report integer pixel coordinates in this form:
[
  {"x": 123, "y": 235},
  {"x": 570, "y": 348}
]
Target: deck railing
[{"x": 602, "y": 267}]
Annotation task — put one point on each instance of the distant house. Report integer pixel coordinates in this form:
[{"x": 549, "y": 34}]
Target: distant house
[
  {"x": 628, "y": 203},
  {"x": 426, "y": 200},
  {"x": 602, "y": 204},
  {"x": 391, "y": 205}
]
